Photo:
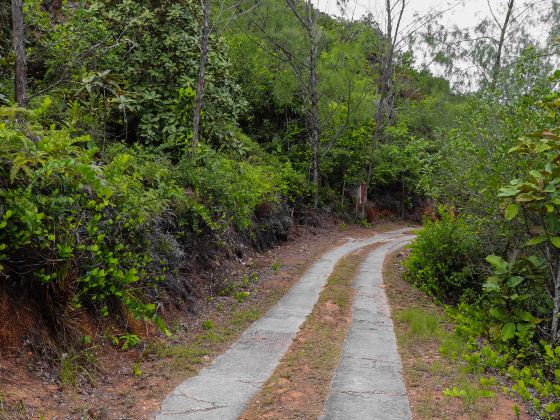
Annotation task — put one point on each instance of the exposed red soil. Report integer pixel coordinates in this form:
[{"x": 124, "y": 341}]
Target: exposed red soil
[{"x": 30, "y": 385}]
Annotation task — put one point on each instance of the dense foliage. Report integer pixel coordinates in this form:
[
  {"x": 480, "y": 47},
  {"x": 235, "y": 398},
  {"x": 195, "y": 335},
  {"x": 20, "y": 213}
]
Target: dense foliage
[
  {"x": 101, "y": 196},
  {"x": 84, "y": 228},
  {"x": 498, "y": 166},
  {"x": 105, "y": 200}
]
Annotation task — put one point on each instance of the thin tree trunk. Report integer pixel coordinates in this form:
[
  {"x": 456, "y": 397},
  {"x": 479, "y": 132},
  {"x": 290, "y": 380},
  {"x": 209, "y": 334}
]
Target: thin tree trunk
[
  {"x": 20, "y": 80},
  {"x": 498, "y": 58},
  {"x": 343, "y": 188},
  {"x": 387, "y": 73},
  {"x": 201, "y": 75},
  {"x": 314, "y": 94},
  {"x": 556, "y": 308}
]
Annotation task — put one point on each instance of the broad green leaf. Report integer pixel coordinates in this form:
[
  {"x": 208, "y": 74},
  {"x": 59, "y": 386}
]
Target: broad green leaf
[
  {"x": 536, "y": 261},
  {"x": 508, "y": 192},
  {"x": 542, "y": 147},
  {"x": 512, "y": 211},
  {"x": 536, "y": 240},
  {"x": 497, "y": 261},
  {"x": 497, "y": 313},
  {"x": 525, "y": 198},
  {"x": 526, "y": 316},
  {"x": 508, "y": 331},
  {"x": 515, "y": 281},
  {"x": 555, "y": 241},
  {"x": 491, "y": 287},
  {"x": 536, "y": 174}
]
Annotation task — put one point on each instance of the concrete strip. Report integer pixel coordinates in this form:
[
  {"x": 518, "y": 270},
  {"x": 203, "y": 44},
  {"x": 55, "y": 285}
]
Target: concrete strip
[
  {"x": 222, "y": 390},
  {"x": 368, "y": 382}
]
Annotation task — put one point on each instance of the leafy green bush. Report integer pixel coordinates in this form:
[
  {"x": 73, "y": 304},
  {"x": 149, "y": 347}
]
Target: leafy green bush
[
  {"x": 442, "y": 260},
  {"x": 231, "y": 189},
  {"x": 83, "y": 228},
  {"x": 533, "y": 370},
  {"x": 71, "y": 227},
  {"x": 130, "y": 69},
  {"x": 516, "y": 300}
]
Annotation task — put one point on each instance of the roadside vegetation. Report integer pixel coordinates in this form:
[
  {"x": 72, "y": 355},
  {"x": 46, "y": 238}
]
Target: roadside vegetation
[
  {"x": 440, "y": 383},
  {"x": 141, "y": 144},
  {"x": 496, "y": 263},
  {"x": 144, "y": 145}
]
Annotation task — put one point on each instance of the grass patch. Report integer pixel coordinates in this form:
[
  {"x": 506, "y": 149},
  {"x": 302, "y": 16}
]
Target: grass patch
[
  {"x": 215, "y": 336},
  {"x": 17, "y": 411},
  {"x": 75, "y": 366},
  {"x": 420, "y": 324},
  {"x": 299, "y": 386},
  {"x": 439, "y": 383}
]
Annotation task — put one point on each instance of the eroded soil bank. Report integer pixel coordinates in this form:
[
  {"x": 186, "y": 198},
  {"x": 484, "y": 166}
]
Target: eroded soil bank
[{"x": 107, "y": 381}]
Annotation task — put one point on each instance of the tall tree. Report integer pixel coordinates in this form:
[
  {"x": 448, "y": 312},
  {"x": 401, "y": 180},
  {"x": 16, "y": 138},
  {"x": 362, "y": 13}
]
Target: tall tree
[
  {"x": 483, "y": 54},
  {"x": 308, "y": 22},
  {"x": 503, "y": 29},
  {"x": 20, "y": 90},
  {"x": 385, "y": 103},
  {"x": 228, "y": 11},
  {"x": 201, "y": 75},
  {"x": 302, "y": 58}
]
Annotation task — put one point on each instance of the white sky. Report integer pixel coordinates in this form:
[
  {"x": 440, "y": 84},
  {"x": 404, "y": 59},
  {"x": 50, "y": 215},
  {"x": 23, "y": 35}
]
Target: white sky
[{"x": 462, "y": 13}]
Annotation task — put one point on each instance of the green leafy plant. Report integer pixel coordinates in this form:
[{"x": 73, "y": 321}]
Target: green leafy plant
[
  {"x": 241, "y": 296},
  {"x": 442, "y": 259},
  {"x": 128, "y": 340},
  {"x": 535, "y": 200},
  {"x": 68, "y": 219},
  {"x": 508, "y": 294},
  {"x": 207, "y": 325},
  {"x": 137, "y": 369}
]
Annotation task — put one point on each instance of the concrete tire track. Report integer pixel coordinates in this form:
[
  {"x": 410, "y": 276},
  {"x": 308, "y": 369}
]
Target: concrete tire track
[{"x": 368, "y": 383}]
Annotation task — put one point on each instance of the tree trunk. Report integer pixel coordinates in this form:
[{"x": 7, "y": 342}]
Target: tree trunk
[
  {"x": 20, "y": 80},
  {"x": 498, "y": 58},
  {"x": 201, "y": 75},
  {"x": 385, "y": 109},
  {"x": 314, "y": 96},
  {"x": 380, "y": 113},
  {"x": 556, "y": 308}
]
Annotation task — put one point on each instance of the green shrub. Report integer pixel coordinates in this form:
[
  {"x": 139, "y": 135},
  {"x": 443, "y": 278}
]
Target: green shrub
[
  {"x": 71, "y": 227},
  {"x": 130, "y": 69},
  {"x": 81, "y": 228},
  {"x": 516, "y": 299},
  {"x": 231, "y": 188},
  {"x": 533, "y": 370},
  {"x": 441, "y": 261}
]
